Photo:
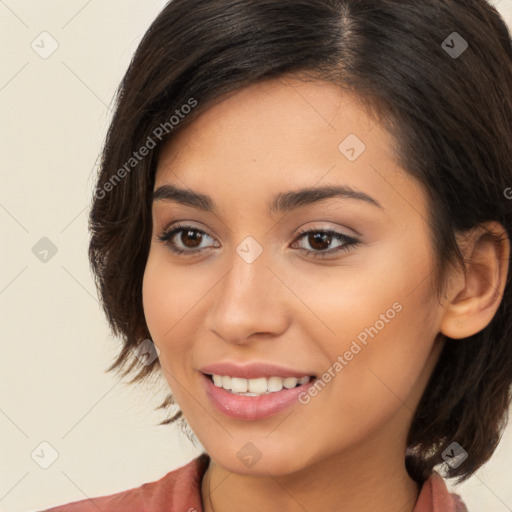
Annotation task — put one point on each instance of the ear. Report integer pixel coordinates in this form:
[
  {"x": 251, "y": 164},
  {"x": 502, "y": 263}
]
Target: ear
[{"x": 473, "y": 299}]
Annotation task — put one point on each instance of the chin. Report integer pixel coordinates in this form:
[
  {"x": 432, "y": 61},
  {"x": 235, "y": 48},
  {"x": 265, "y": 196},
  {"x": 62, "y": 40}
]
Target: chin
[{"x": 257, "y": 458}]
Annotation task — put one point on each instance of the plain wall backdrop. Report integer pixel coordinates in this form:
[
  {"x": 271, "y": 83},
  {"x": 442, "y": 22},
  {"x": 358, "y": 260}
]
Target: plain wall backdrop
[{"x": 61, "y": 62}]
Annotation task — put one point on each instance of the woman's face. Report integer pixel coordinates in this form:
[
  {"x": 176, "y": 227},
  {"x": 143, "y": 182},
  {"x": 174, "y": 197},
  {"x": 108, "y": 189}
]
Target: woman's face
[{"x": 356, "y": 309}]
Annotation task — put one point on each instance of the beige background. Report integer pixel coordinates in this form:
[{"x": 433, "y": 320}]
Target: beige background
[{"x": 55, "y": 341}]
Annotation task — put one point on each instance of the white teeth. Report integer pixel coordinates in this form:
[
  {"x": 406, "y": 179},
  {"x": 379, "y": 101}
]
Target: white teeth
[
  {"x": 226, "y": 382},
  {"x": 290, "y": 382},
  {"x": 238, "y": 385},
  {"x": 275, "y": 384},
  {"x": 258, "y": 386}
]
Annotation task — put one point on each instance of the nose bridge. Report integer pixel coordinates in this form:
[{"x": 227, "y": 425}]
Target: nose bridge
[{"x": 246, "y": 299}]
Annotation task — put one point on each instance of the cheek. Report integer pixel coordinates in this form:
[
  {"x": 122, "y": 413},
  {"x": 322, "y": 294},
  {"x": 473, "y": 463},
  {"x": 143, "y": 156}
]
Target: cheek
[
  {"x": 164, "y": 303},
  {"x": 381, "y": 294},
  {"x": 173, "y": 298},
  {"x": 383, "y": 322},
  {"x": 164, "y": 306},
  {"x": 155, "y": 301}
]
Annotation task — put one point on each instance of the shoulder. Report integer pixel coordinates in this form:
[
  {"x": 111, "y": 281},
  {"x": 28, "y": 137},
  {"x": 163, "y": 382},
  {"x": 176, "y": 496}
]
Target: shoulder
[
  {"x": 435, "y": 497},
  {"x": 179, "y": 489}
]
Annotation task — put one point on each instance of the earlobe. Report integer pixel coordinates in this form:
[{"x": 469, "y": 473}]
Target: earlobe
[{"x": 473, "y": 299}]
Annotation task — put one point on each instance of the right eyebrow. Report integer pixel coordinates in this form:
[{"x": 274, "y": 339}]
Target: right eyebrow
[{"x": 282, "y": 202}]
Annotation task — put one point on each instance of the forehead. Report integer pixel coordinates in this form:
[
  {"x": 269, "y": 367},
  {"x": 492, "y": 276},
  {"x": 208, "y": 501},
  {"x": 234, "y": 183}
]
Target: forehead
[
  {"x": 292, "y": 109},
  {"x": 287, "y": 133}
]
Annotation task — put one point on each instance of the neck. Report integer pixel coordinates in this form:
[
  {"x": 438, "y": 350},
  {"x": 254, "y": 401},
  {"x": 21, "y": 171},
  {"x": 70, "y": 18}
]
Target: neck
[
  {"x": 345, "y": 482},
  {"x": 368, "y": 475}
]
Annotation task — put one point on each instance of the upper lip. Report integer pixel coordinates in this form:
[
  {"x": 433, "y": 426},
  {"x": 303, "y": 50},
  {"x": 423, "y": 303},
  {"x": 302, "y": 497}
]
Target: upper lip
[{"x": 252, "y": 370}]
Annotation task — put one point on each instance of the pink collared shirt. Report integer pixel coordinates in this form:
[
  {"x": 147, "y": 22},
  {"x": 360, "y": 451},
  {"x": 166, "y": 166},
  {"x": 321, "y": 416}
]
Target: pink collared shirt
[{"x": 180, "y": 491}]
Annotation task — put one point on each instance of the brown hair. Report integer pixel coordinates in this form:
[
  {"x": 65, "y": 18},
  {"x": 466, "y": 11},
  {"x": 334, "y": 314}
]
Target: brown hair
[{"x": 450, "y": 114}]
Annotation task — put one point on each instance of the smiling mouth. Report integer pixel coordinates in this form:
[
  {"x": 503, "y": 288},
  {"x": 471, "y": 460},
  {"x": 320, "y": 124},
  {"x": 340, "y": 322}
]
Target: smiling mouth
[{"x": 259, "y": 386}]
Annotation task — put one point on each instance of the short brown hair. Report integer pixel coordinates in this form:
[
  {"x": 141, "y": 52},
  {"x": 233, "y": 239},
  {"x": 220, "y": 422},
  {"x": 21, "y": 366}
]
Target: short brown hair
[{"x": 451, "y": 119}]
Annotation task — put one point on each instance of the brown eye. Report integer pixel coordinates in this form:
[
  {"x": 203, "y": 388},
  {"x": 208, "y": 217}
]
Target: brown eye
[
  {"x": 184, "y": 239},
  {"x": 320, "y": 240},
  {"x": 191, "y": 238}
]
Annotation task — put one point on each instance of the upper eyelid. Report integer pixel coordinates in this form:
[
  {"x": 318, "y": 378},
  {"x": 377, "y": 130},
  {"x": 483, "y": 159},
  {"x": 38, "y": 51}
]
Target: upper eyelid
[
  {"x": 348, "y": 243},
  {"x": 186, "y": 225},
  {"x": 172, "y": 230}
]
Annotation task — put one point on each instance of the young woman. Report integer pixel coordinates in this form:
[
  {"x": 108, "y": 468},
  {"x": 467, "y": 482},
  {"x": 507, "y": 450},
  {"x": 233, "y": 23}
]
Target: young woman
[{"x": 302, "y": 219}]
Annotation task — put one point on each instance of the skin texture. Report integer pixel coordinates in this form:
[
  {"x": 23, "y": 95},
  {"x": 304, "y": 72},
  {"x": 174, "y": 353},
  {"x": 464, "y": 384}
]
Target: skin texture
[{"x": 345, "y": 449}]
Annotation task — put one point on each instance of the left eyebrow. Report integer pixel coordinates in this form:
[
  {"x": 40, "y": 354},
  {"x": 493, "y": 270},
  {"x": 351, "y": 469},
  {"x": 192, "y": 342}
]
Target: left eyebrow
[
  {"x": 282, "y": 202},
  {"x": 287, "y": 201}
]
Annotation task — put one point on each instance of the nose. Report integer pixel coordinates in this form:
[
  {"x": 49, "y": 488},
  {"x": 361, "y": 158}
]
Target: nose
[{"x": 249, "y": 302}]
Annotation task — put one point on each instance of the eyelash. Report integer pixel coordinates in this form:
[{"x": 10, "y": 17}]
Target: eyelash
[{"x": 349, "y": 242}]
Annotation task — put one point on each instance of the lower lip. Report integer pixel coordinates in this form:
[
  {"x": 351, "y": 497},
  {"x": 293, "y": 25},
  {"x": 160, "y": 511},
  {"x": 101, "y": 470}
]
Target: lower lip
[{"x": 251, "y": 408}]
